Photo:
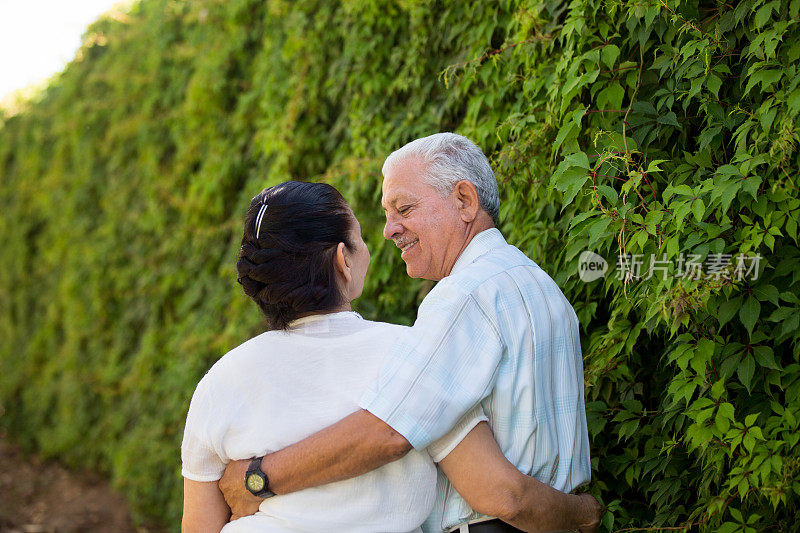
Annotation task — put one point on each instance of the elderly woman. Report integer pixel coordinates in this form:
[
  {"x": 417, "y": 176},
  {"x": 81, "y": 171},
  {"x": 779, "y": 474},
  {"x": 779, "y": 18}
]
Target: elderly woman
[{"x": 303, "y": 261}]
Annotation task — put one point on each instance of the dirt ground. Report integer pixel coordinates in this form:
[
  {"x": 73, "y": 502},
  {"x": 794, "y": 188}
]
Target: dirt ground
[{"x": 43, "y": 497}]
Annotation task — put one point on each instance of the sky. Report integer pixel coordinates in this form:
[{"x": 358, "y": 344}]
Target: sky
[{"x": 39, "y": 37}]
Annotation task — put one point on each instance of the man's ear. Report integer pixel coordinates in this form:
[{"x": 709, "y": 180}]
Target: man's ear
[
  {"x": 466, "y": 195},
  {"x": 342, "y": 263}
]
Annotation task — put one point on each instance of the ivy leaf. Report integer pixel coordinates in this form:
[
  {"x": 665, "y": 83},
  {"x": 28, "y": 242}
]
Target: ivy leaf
[
  {"x": 793, "y": 100},
  {"x": 704, "y": 415},
  {"x": 749, "y": 312},
  {"x": 713, "y": 83},
  {"x": 791, "y": 227},
  {"x": 726, "y": 410},
  {"x": 608, "y": 520},
  {"x": 726, "y": 192},
  {"x": 672, "y": 247},
  {"x": 652, "y": 219},
  {"x": 765, "y": 357},
  {"x": 578, "y": 159},
  {"x": 763, "y": 14},
  {"x": 766, "y": 293},
  {"x": 695, "y": 88},
  {"x": 789, "y": 327},
  {"x": 570, "y": 182},
  {"x": 722, "y": 422},
  {"x": 683, "y": 189},
  {"x": 611, "y": 97},
  {"x": 609, "y": 55},
  {"x": 597, "y": 229},
  {"x": 681, "y": 211},
  {"x": 748, "y": 441},
  {"x": 702, "y": 355},
  {"x": 569, "y": 130},
  {"x": 729, "y": 527},
  {"x": 578, "y": 115},
  {"x": 653, "y": 165},
  {"x": 728, "y": 170},
  {"x": 644, "y": 35},
  {"x": 728, "y": 309},
  {"x": 670, "y": 119},
  {"x": 698, "y": 209},
  {"x": 781, "y": 313},
  {"x": 745, "y": 371},
  {"x": 609, "y": 193},
  {"x": 645, "y": 108},
  {"x": 580, "y": 218},
  {"x": 765, "y": 77}
]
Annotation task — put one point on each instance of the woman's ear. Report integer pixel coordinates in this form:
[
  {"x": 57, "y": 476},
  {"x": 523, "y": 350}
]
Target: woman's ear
[{"x": 342, "y": 262}]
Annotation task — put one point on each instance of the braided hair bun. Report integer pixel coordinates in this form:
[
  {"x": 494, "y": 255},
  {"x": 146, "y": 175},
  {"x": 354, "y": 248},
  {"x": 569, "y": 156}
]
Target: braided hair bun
[{"x": 286, "y": 261}]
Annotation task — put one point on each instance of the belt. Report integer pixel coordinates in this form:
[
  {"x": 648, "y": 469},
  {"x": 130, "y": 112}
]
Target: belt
[{"x": 486, "y": 526}]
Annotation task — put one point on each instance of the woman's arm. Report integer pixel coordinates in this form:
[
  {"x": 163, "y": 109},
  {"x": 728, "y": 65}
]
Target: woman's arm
[
  {"x": 204, "y": 508},
  {"x": 493, "y": 486}
]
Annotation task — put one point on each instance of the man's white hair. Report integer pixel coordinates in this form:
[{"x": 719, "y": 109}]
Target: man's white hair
[{"x": 451, "y": 158}]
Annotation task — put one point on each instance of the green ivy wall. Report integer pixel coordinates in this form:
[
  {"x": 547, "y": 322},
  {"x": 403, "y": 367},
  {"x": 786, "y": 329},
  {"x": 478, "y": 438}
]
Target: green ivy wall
[{"x": 650, "y": 129}]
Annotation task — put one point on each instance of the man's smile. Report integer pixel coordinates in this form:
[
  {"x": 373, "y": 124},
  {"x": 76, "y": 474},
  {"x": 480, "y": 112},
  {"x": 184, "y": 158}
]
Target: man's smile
[{"x": 406, "y": 245}]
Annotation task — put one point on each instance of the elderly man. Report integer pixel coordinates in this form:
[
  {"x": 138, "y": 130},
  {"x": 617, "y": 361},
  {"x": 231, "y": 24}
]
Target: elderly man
[{"x": 495, "y": 332}]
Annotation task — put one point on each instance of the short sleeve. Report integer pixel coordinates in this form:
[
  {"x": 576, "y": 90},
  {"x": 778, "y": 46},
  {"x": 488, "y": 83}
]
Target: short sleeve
[
  {"x": 442, "y": 447},
  {"x": 438, "y": 369},
  {"x": 200, "y": 461}
]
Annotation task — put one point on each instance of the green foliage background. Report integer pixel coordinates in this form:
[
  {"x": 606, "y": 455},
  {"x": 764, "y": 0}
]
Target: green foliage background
[{"x": 643, "y": 127}]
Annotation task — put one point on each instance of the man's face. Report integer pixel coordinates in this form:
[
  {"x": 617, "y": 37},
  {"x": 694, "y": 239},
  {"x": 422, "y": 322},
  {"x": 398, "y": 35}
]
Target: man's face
[{"x": 425, "y": 226}]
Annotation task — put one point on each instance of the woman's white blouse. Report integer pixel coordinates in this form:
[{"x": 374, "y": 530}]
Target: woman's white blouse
[{"x": 281, "y": 387}]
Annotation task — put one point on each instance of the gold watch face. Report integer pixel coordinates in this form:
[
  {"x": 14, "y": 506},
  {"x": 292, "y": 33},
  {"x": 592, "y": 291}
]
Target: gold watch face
[{"x": 255, "y": 483}]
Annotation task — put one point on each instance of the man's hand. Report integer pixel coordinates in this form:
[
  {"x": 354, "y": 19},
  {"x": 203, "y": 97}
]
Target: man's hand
[{"x": 239, "y": 499}]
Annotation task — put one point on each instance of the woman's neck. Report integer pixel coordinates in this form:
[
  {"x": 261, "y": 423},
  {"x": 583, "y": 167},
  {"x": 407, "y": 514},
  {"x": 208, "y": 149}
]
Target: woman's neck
[{"x": 341, "y": 309}]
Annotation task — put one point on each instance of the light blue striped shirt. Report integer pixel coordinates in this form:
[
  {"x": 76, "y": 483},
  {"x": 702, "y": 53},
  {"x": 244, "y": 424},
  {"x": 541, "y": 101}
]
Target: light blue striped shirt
[{"x": 498, "y": 331}]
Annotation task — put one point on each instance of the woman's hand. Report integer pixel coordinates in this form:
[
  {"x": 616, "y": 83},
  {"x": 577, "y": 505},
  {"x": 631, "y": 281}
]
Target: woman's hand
[{"x": 239, "y": 499}]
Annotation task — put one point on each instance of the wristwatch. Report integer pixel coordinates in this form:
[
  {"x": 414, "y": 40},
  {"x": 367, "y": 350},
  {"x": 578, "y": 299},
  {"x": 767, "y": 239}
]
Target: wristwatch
[{"x": 256, "y": 481}]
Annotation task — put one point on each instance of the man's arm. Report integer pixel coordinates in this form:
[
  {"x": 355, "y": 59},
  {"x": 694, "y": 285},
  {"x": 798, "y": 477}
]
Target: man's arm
[
  {"x": 493, "y": 486},
  {"x": 408, "y": 396},
  {"x": 357, "y": 444}
]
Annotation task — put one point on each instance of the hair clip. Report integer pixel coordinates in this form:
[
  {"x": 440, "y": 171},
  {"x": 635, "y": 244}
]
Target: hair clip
[{"x": 259, "y": 218}]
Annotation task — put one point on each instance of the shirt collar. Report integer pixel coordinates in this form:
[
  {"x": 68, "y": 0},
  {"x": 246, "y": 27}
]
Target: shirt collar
[
  {"x": 319, "y": 317},
  {"x": 480, "y": 244}
]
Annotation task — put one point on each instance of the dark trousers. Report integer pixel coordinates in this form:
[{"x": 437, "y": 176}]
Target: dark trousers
[{"x": 493, "y": 526}]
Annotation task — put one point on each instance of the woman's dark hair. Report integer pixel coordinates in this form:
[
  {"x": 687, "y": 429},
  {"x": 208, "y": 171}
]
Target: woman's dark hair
[{"x": 286, "y": 265}]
